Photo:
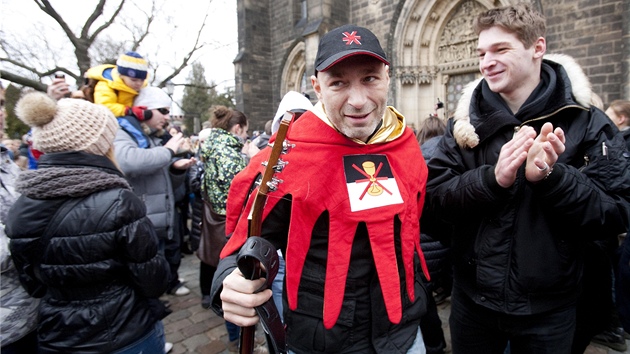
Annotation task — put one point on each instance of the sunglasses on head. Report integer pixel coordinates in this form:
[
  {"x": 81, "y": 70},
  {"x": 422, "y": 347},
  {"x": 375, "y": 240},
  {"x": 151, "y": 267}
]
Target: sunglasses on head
[{"x": 164, "y": 111}]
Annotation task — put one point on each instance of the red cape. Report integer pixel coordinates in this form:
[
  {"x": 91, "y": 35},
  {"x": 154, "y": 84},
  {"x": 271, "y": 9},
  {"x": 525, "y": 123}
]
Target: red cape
[{"x": 319, "y": 177}]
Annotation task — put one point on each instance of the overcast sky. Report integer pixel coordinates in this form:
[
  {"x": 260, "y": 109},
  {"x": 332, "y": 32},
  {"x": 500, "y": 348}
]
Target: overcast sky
[{"x": 221, "y": 29}]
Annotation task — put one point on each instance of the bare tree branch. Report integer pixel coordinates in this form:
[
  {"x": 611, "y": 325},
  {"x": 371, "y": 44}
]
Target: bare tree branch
[
  {"x": 20, "y": 80},
  {"x": 26, "y": 61},
  {"x": 144, "y": 32},
  {"x": 186, "y": 59},
  {"x": 98, "y": 11},
  {"x": 45, "y": 6}
]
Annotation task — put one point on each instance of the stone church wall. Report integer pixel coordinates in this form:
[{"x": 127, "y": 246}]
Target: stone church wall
[{"x": 427, "y": 42}]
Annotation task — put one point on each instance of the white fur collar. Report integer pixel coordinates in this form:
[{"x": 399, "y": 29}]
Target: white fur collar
[{"x": 464, "y": 132}]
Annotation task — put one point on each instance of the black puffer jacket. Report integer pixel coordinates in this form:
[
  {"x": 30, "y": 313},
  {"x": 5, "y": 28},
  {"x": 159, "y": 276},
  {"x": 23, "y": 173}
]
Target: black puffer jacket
[
  {"x": 520, "y": 250},
  {"x": 195, "y": 178},
  {"x": 101, "y": 272},
  {"x": 626, "y": 136},
  {"x": 436, "y": 253}
]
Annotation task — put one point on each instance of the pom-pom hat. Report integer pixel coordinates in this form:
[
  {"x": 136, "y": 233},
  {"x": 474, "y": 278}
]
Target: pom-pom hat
[
  {"x": 346, "y": 41},
  {"x": 69, "y": 124},
  {"x": 133, "y": 65}
]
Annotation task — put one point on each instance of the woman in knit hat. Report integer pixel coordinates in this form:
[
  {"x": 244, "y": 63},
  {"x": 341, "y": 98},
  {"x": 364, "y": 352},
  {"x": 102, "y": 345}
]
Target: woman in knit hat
[
  {"x": 118, "y": 85},
  {"x": 80, "y": 238}
]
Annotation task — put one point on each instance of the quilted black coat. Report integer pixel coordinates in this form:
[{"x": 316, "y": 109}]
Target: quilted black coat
[{"x": 100, "y": 274}]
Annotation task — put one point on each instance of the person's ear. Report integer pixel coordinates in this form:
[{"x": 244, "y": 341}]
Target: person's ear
[
  {"x": 316, "y": 86},
  {"x": 236, "y": 129},
  {"x": 540, "y": 47}
]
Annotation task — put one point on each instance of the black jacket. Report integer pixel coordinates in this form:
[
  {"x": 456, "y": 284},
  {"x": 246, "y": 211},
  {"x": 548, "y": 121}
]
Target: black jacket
[
  {"x": 520, "y": 250},
  {"x": 626, "y": 136},
  {"x": 101, "y": 273},
  {"x": 362, "y": 300},
  {"x": 195, "y": 178}
]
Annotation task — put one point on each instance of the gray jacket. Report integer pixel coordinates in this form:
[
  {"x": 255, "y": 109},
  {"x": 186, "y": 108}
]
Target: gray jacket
[
  {"x": 149, "y": 172},
  {"x": 18, "y": 310}
]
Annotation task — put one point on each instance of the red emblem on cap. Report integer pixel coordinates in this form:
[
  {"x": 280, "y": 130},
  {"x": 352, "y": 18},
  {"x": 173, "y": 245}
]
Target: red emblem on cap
[{"x": 351, "y": 38}]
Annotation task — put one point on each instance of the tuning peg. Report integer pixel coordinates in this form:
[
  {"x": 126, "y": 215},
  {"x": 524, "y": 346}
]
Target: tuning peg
[
  {"x": 287, "y": 146},
  {"x": 273, "y": 184},
  {"x": 280, "y": 165}
]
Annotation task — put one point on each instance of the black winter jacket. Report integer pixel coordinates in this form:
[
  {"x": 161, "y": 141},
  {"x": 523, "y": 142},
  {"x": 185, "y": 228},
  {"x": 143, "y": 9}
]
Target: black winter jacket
[
  {"x": 195, "y": 178},
  {"x": 101, "y": 273},
  {"x": 436, "y": 253},
  {"x": 520, "y": 250},
  {"x": 626, "y": 136},
  {"x": 362, "y": 301}
]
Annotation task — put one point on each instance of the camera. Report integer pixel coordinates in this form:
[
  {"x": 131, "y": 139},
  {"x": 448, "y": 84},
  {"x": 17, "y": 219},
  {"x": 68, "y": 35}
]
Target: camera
[
  {"x": 439, "y": 104},
  {"x": 61, "y": 75}
]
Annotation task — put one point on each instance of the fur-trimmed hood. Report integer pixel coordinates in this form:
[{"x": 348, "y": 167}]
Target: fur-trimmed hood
[{"x": 464, "y": 131}]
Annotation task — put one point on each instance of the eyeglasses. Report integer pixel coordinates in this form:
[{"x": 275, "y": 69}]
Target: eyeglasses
[{"x": 164, "y": 111}]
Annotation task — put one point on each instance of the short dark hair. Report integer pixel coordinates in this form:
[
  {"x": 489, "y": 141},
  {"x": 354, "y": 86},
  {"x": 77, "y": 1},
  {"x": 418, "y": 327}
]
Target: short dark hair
[
  {"x": 621, "y": 108},
  {"x": 431, "y": 127},
  {"x": 527, "y": 23}
]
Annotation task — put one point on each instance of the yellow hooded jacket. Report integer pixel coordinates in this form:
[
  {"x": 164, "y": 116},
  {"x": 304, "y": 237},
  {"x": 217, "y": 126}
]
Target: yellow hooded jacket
[{"x": 111, "y": 91}]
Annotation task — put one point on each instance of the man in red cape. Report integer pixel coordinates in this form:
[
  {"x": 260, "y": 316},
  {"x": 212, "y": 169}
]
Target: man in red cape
[{"x": 346, "y": 215}]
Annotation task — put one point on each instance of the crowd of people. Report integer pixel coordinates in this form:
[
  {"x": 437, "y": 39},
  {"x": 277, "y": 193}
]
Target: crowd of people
[{"x": 515, "y": 208}]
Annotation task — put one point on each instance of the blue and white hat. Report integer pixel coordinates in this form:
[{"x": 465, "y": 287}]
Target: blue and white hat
[{"x": 133, "y": 65}]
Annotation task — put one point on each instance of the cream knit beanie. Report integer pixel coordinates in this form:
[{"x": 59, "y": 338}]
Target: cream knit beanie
[{"x": 67, "y": 125}]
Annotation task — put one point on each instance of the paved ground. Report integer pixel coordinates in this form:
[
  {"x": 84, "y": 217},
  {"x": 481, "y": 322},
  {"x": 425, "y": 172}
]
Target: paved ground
[{"x": 193, "y": 329}]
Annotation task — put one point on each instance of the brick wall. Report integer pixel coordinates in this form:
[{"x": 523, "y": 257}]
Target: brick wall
[
  {"x": 253, "y": 74},
  {"x": 591, "y": 32}
]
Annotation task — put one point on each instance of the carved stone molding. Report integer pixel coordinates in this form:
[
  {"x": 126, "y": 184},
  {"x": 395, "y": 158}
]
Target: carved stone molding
[
  {"x": 294, "y": 69},
  {"x": 426, "y": 75},
  {"x": 466, "y": 65},
  {"x": 458, "y": 41},
  {"x": 407, "y": 78},
  {"x": 422, "y": 75},
  {"x": 426, "y": 42}
]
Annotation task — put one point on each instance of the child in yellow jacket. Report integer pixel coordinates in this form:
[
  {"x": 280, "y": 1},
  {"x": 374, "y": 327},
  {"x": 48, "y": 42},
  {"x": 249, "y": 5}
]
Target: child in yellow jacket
[{"x": 119, "y": 84}]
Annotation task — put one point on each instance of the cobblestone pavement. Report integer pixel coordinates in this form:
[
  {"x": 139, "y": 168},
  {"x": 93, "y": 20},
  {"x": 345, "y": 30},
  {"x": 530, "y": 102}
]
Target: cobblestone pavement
[{"x": 193, "y": 329}]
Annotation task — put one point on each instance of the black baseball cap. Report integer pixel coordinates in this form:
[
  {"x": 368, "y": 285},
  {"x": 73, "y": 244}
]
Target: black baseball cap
[{"x": 346, "y": 41}]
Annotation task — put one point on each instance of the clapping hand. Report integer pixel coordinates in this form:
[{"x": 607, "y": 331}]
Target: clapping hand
[
  {"x": 539, "y": 152},
  {"x": 543, "y": 154}
]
